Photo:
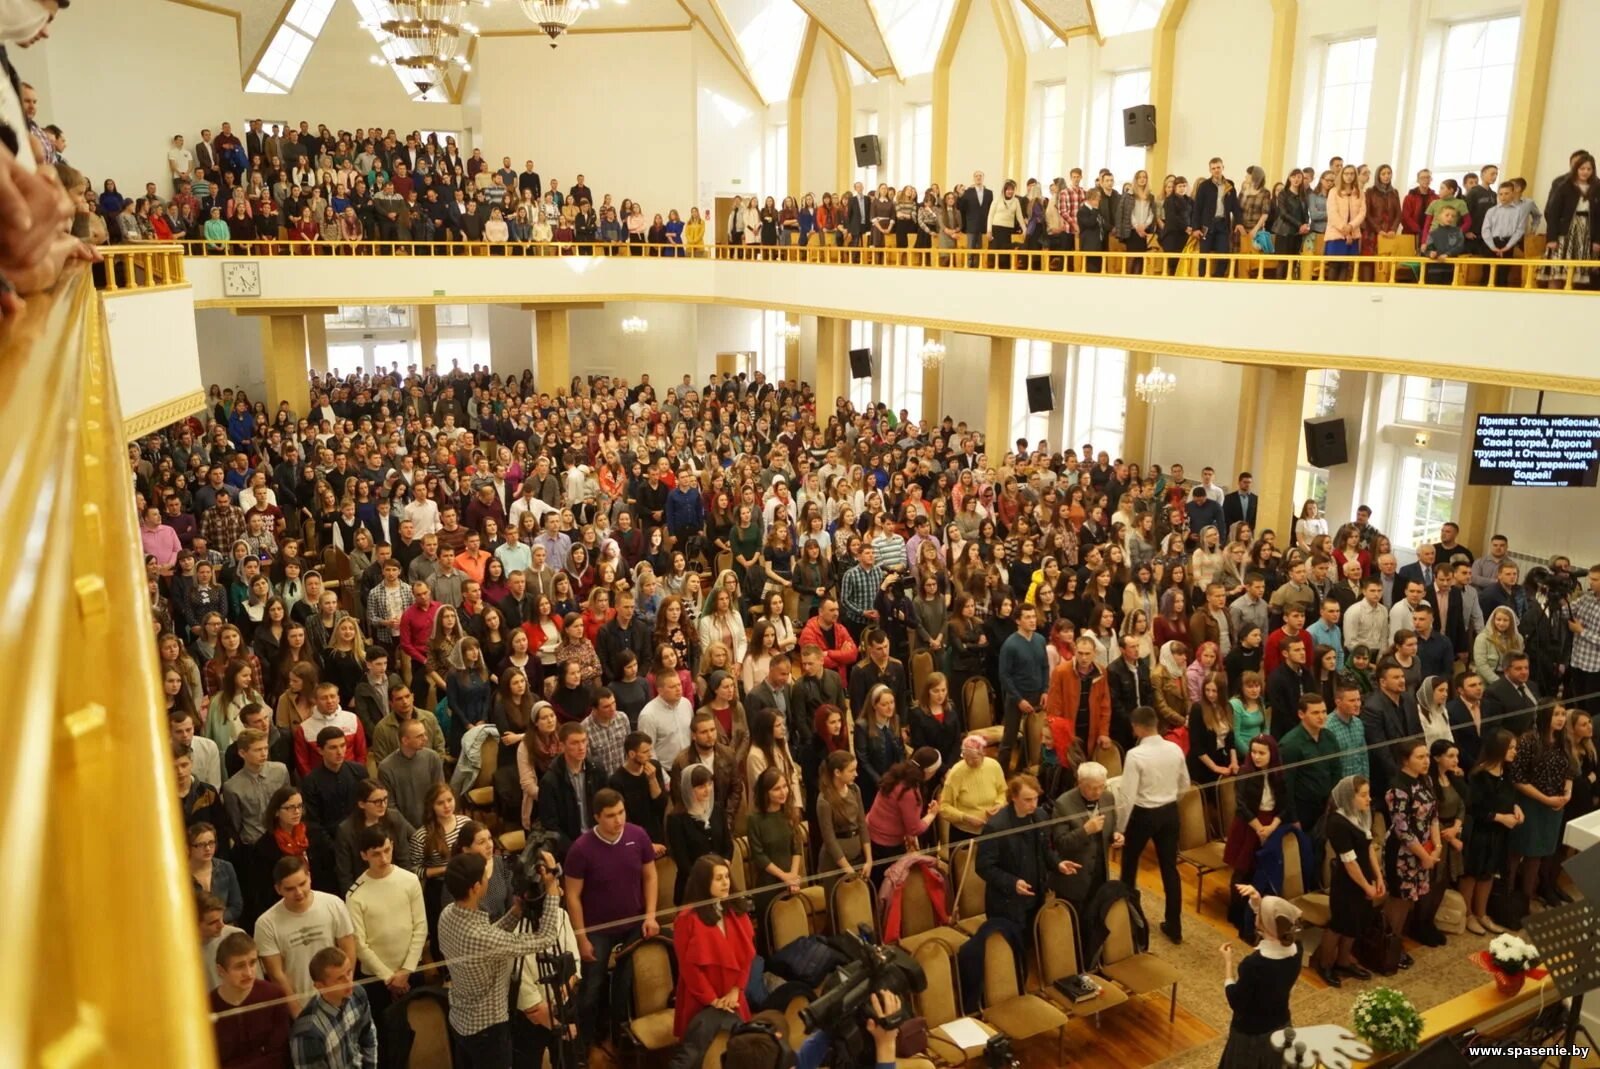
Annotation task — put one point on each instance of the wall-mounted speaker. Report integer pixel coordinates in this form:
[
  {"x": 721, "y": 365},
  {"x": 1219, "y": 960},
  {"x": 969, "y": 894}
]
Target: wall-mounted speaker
[
  {"x": 867, "y": 152},
  {"x": 1041, "y": 394},
  {"x": 1139, "y": 125},
  {"x": 861, "y": 363},
  {"x": 1325, "y": 444}
]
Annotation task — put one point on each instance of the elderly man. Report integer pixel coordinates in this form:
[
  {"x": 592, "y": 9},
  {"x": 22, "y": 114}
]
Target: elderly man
[
  {"x": 1085, "y": 831},
  {"x": 974, "y": 790}
]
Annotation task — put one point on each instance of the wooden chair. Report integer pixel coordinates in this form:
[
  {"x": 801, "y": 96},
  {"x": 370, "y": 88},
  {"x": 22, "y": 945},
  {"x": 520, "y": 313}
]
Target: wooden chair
[
  {"x": 488, "y": 761},
  {"x": 918, "y": 923},
  {"x": 921, "y": 668},
  {"x": 1055, "y": 935},
  {"x": 788, "y": 918},
  {"x": 977, "y": 705},
  {"x": 739, "y": 866},
  {"x": 514, "y": 841},
  {"x": 1111, "y": 758},
  {"x": 336, "y": 575},
  {"x": 852, "y": 905},
  {"x": 1314, "y": 907},
  {"x": 1196, "y": 848},
  {"x": 1395, "y": 245},
  {"x": 1033, "y": 739},
  {"x": 939, "y": 1002},
  {"x": 666, "y": 885},
  {"x": 650, "y": 1025},
  {"x": 430, "y": 1034},
  {"x": 1018, "y": 1015},
  {"x": 970, "y": 909},
  {"x": 1137, "y": 973}
]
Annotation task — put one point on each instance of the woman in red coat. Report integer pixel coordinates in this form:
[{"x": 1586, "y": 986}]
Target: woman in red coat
[{"x": 716, "y": 946}]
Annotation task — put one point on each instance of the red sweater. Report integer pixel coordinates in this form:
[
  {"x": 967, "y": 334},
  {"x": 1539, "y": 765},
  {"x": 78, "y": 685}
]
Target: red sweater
[
  {"x": 840, "y": 655},
  {"x": 711, "y": 962},
  {"x": 255, "y": 1040}
]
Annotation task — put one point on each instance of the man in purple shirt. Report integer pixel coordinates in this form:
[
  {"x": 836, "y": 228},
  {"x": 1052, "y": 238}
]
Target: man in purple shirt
[
  {"x": 611, "y": 880},
  {"x": 159, "y": 540}
]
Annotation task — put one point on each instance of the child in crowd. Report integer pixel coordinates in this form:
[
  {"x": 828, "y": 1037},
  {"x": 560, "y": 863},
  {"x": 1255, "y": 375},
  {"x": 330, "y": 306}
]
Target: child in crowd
[{"x": 1445, "y": 242}]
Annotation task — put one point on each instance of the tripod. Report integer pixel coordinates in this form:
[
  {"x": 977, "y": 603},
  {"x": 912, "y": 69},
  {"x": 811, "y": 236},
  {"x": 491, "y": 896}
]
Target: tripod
[{"x": 556, "y": 971}]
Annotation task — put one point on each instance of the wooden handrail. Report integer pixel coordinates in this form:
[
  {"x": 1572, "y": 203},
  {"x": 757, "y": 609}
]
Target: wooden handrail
[
  {"x": 141, "y": 267},
  {"x": 89, "y": 824}
]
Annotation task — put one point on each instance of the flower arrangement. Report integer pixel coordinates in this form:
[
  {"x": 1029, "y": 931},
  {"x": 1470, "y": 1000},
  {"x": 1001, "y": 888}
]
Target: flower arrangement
[
  {"x": 1386, "y": 1019},
  {"x": 1512, "y": 955}
]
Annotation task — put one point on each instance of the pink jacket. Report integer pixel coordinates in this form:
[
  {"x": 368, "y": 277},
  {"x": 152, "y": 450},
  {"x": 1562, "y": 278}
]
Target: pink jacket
[
  {"x": 896, "y": 815},
  {"x": 1346, "y": 212}
]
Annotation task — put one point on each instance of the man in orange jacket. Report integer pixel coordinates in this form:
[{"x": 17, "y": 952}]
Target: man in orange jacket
[{"x": 1079, "y": 706}]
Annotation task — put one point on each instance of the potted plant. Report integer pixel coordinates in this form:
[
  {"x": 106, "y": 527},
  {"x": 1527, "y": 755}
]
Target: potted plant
[
  {"x": 1510, "y": 958},
  {"x": 1387, "y": 1020}
]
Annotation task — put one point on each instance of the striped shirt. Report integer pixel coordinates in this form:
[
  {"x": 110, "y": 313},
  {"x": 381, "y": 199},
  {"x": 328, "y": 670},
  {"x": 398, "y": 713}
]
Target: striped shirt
[
  {"x": 891, "y": 551},
  {"x": 858, "y": 589},
  {"x": 326, "y": 1036}
]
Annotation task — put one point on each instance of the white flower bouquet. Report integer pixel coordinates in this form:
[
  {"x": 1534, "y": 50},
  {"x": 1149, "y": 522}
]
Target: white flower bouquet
[
  {"x": 1512, "y": 955},
  {"x": 1386, "y": 1019}
]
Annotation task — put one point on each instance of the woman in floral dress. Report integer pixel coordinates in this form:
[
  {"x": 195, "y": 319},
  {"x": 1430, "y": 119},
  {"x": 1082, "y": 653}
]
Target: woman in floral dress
[{"x": 1413, "y": 848}]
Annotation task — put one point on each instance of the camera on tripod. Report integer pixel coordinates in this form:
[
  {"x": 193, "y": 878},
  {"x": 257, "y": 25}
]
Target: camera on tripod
[
  {"x": 845, "y": 1004},
  {"x": 528, "y": 874}
]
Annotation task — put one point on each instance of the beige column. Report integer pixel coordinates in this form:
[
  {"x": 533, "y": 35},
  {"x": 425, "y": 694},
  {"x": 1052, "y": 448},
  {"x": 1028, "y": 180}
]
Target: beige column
[
  {"x": 1474, "y": 503},
  {"x": 833, "y": 363},
  {"x": 283, "y": 351},
  {"x": 1284, "y": 398},
  {"x": 317, "y": 341},
  {"x": 1244, "y": 442},
  {"x": 791, "y": 349},
  {"x": 933, "y": 381},
  {"x": 1136, "y": 417},
  {"x": 997, "y": 413},
  {"x": 552, "y": 363},
  {"x": 427, "y": 319}
]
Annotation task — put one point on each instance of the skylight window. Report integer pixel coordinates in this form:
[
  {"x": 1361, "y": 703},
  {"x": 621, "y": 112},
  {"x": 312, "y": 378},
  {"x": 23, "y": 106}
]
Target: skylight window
[
  {"x": 1035, "y": 34},
  {"x": 281, "y": 62},
  {"x": 769, "y": 37},
  {"x": 1125, "y": 16},
  {"x": 914, "y": 30}
]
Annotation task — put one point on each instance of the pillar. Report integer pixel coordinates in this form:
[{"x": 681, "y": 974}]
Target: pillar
[
  {"x": 317, "y": 341},
  {"x": 553, "y": 360},
  {"x": 283, "y": 350},
  {"x": 1280, "y": 68},
  {"x": 997, "y": 413},
  {"x": 833, "y": 363},
  {"x": 1284, "y": 393},
  {"x": 1535, "y": 44},
  {"x": 427, "y": 319},
  {"x": 1474, "y": 508},
  {"x": 727, "y": 363},
  {"x": 791, "y": 349},
  {"x": 1136, "y": 414},
  {"x": 933, "y": 382},
  {"x": 1244, "y": 443}
]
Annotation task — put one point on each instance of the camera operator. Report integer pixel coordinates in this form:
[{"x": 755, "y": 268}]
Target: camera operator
[
  {"x": 756, "y": 1050},
  {"x": 716, "y": 947},
  {"x": 537, "y": 1029},
  {"x": 481, "y": 955}
]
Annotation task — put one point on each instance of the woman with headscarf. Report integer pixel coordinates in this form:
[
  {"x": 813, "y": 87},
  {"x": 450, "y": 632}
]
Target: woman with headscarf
[
  {"x": 1432, "y": 697},
  {"x": 694, "y": 826},
  {"x": 1357, "y": 880},
  {"x": 1170, "y": 687},
  {"x": 1259, "y": 992}
]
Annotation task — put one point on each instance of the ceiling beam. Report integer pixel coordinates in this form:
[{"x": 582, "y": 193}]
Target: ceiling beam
[
  {"x": 738, "y": 65},
  {"x": 1067, "y": 33},
  {"x": 876, "y": 72}
]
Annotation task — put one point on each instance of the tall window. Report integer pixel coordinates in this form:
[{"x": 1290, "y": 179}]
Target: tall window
[
  {"x": 914, "y": 163},
  {"x": 861, "y": 337},
  {"x": 1473, "y": 100},
  {"x": 902, "y": 369},
  {"x": 772, "y": 349},
  {"x": 286, "y": 54},
  {"x": 1427, "y": 496},
  {"x": 1344, "y": 100},
  {"x": 1047, "y": 145},
  {"x": 867, "y": 123},
  {"x": 1125, "y": 89},
  {"x": 1032, "y": 358},
  {"x": 913, "y": 30},
  {"x": 775, "y": 162},
  {"x": 1100, "y": 402},
  {"x": 1438, "y": 401}
]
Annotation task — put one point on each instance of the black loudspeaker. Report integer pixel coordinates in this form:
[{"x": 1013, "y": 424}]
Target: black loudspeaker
[
  {"x": 1041, "y": 394},
  {"x": 861, "y": 363},
  {"x": 867, "y": 150},
  {"x": 1139, "y": 125},
  {"x": 1325, "y": 445}
]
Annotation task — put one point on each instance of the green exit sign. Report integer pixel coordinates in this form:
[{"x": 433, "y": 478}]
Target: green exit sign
[{"x": 438, "y": 293}]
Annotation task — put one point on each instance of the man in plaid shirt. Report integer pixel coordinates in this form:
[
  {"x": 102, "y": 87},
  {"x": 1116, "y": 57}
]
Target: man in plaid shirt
[
  {"x": 1069, "y": 198},
  {"x": 223, "y": 524},
  {"x": 386, "y": 604},
  {"x": 1583, "y": 671},
  {"x": 335, "y": 1030}
]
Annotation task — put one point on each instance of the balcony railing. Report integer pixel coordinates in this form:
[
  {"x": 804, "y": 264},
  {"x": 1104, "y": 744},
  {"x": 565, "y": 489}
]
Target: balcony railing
[
  {"x": 140, "y": 267},
  {"x": 1398, "y": 265}
]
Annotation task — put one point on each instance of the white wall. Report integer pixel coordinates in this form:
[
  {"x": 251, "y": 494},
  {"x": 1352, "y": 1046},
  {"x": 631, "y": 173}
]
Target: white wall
[
  {"x": 1219, "y": 86},
  {"x": 511, "y": 338},
  {"x": 153, "y": 348},
  {"x": 1199, "y": 424},
  {"x": 1546, "y": 522},
  {"x": 966, "y": 382},
  {"x": 1570, "y": 118},
  {"x": 230, "y": 350},
  {"x": 977, "y": 102},
  {"x": 819, "y": 133},
  {"x": 727, "y": 135}
]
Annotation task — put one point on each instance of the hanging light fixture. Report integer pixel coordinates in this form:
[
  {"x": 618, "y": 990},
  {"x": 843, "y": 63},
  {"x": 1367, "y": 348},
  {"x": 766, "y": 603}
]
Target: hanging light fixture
[
  {"x": 556, "y": 17},
  {"x": 424, "y": 38},
  {"x": 932, "y": 354},
  {"x": 789, "y": 332},
  {"x": 1155, "y": 385},
  {"x": 634, "y": 326}
]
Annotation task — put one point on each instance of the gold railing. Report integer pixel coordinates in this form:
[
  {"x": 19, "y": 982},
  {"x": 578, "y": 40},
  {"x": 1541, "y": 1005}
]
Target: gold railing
[
  {"x": 140, "y": 267},
  {"x": 1404, "y": 268},
  {"x": 99, "y": 963}
]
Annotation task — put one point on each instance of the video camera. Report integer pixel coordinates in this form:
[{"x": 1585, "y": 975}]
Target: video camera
[
  {"x": 845, "y": 1003},
  {"x": 529, "y": 871}
]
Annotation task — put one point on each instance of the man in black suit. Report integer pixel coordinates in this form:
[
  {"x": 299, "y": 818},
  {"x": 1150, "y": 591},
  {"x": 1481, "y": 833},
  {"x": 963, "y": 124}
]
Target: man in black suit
[
  {"x": 528, "y": 181},
  {"x": 624, "y": 632},
  {"x": 1216, "y": 216},
  {"x": 1240, "y": 506},
  {"x": 1085, "y": 831},
  {"x": 1509, "y": 703},
  {"x": 775, "y": 692},
  {"x": 1422, "y": 568},
  {"x": 255, "y": 140},
  {"x": 1016, "y": 868},
  {"x": 976, "y": 200},
  {"x": 1388, "y": 714},
  {"x": 858, "y": 213},
  {"x": 815, "y": 688},
  {"x": 1290, "y": 679},
  {"x": 580, "y": 192}
]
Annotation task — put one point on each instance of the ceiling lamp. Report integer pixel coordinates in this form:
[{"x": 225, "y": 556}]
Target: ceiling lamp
[
  {"x": 634, "y": 325},
  {"x": 1155, "y": 385},
  {"x": 556, "y": 17},
  {"x": 425, "y": 38},
  {"x": 932, "y": 354},
  {"x": 789, "y": 332}
]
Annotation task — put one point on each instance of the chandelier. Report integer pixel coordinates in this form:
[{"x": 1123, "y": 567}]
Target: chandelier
[
  {"x": 1155, "y": 385},
  {"x": 424, "y": 38},
  {"x": 556, "y": 17},
  {"x": 789, "y": 332},
  {"x": 932, "y": 354},
  {"x": 634, "y": 325}
]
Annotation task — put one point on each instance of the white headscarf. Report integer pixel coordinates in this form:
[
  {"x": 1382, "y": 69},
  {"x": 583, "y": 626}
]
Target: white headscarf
[
  {"x": 1344, "y": 803},
  {"x": 22, "y": 20}
]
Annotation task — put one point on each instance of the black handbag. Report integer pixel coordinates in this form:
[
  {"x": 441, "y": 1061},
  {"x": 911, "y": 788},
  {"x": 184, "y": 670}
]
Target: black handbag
[
  {"x": 1508, "y": 907},
  {"x": 1379, "y": 947}
]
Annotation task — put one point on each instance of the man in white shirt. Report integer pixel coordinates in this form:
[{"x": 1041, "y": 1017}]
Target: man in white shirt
[
  {"x": 423, "y": 514},
  {"x": 202, "y": 751},
  {"x": 1400, "y": 617},
  {"x": 180, "y": 161},
  {"x": 303, "y": 922},
  {"x": 528, "y": 501},
  {"x": 666, "y": 718},
  {"x": 386, "y": 912},
  {"x": 1154, "y": 775},
  {"x": 1208, "y": 483},
  {"x": 1366, "y": 623}
]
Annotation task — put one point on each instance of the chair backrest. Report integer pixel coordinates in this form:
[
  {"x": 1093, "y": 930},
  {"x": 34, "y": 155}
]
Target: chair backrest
[
  {"x": 652, "y": 977},
  {"x": 1033, "y": 737},
  {"x": 788, "y": 919},
  {"x": 1226, "y": 800},
  {"x": 1191, "y": 820},
  {"x": 666, "y": 884},
  {"x": 1119, "y": 934},
  {"x": 1055, "y": 933},
  {"x": 921, "y": 668},
  {"x": 852, "y": 905},
  {"x": 714, "y": 1052},
  {"x": 1294, "y": 884},
  {"x": 1111, "y": 758},
  {"x": 999, "y": 970},
  {"x": 430, "y": 1034},
  {"x": 940, "y": 1001},
  {"x": 1397, "y": 245},
  {"x": 916, "y": 908},
  {"x": 738, "y": 871},
  {"x": 970, "y": 887},
  {"x": 489, "y": 758},
  {"x": 978, "y": 703},
  {"x": 514, "y": 841},
  {"x": 1380, "y": 827}
]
